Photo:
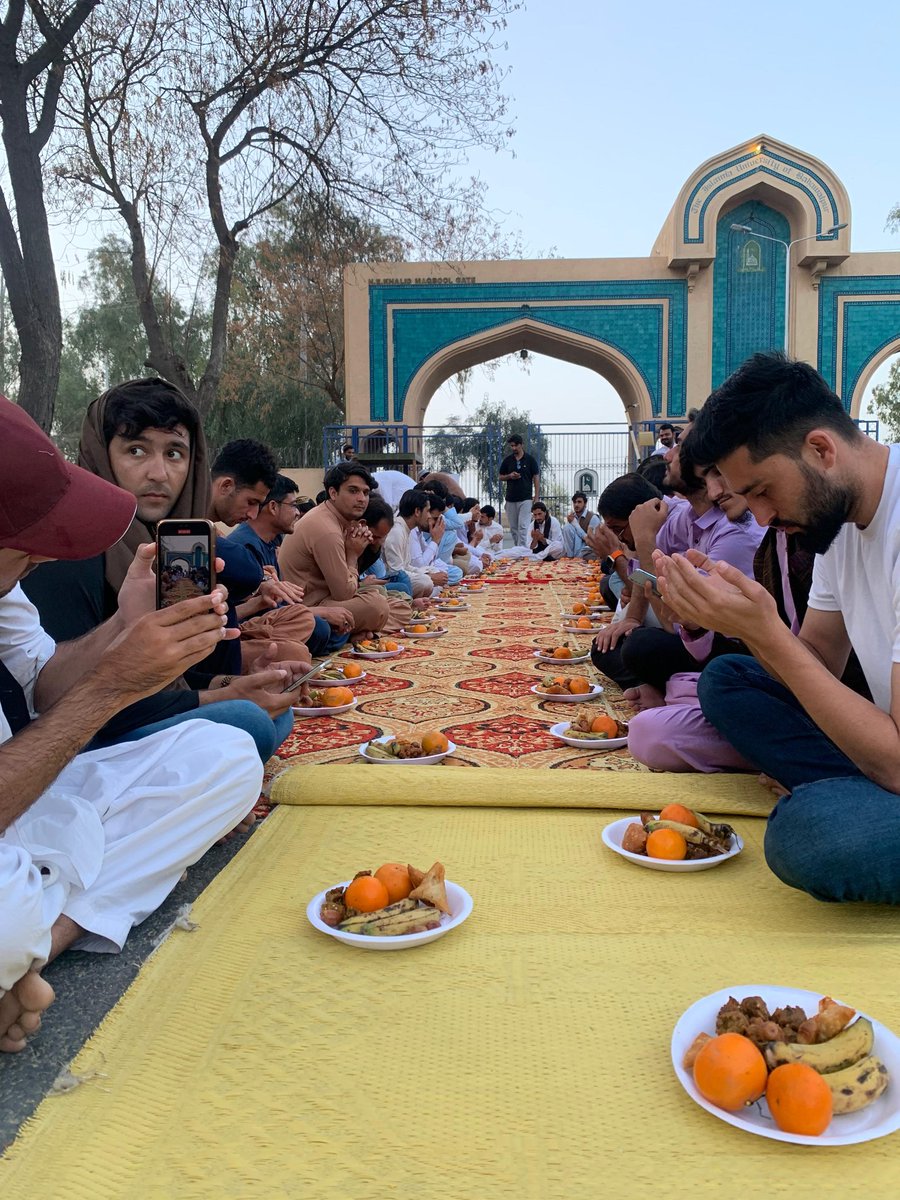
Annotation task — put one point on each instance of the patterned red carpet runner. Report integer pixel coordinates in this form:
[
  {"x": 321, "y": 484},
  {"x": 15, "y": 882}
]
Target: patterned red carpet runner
[{"x": 474, "y": 684}]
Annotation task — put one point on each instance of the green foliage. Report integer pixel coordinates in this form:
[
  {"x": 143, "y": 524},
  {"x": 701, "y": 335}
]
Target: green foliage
[
  {"x": 480, "y": 442},
  {"x": 886, "y": 401}
]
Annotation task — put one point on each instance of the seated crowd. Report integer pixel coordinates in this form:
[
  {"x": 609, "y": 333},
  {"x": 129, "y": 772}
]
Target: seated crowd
[{"x": 132, "y": 739}]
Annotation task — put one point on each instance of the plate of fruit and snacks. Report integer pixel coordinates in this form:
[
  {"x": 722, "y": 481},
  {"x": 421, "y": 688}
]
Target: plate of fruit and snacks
[
  {"x": 405, "y": 751},
  {"x": 548, "y": 656},
  {"x": 454, "y": 606},
  {"x": 328, "y": 703},
  {"x": 789, "y": 1064},
  {"x": 421, "y": 631},
  {"x": 339, "y": 676},
  {"x": 592, "y": 731},
  {"x": 421, "y": 618},
  {"x": 591, "y": 627},
  {"x": 473, "y": 588},
  {"x": 567, "y": 691},
  {"x": 377, "y": 648},
  {"x": 394, "y": 908},
  {"x": 679, "y": 839}
]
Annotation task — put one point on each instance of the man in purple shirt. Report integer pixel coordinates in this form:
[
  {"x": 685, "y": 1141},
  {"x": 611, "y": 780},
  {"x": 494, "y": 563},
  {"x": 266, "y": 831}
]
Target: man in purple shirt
[{"x": 642, "y": 651}]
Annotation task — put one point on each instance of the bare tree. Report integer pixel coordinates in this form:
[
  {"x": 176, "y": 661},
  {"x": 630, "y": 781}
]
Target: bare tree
[
  {"x": 33, "y": 46},
  {"x": 203, "y": 109}
]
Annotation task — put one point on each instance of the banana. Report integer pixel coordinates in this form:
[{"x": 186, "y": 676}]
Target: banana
[
  {"x": 694, "y": 836},
  {"x": 844, "y": 1050},
  {"x": 858, "y": 1086},
  {"x": 378, "y": 750},
  {"x": 716, "y": 829}
]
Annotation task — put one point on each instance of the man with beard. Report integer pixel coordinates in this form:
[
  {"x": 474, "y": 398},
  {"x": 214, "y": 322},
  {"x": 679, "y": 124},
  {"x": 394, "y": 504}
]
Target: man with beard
[
  {"x": 780, "y": 437},
  {"x": 578, "y": 521}
]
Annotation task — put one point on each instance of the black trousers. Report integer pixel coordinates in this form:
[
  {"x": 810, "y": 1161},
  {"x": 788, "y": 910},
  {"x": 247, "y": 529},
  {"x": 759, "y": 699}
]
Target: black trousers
[{"x": 645, "y": 656}]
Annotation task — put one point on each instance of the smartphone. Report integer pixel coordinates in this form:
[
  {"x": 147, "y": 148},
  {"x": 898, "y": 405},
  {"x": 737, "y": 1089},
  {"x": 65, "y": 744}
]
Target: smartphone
[
  {"x": 309, "y": 674},
  {"x": 185, "y": 560},
  {"x": 641, "y": 577}
]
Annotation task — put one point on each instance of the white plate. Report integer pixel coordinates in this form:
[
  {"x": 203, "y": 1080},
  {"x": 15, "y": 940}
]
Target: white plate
[
  {"x": 425, "y": 761},
  {"x": 876, "y": 1121},
  {"x": 467, "y": 591},
  {"x": 594, "y": 629},
  {"x": 318, "y": 684},
  {"x": 432, "y": 633},
  {"x": 583, "y": 697},
  {"x": 570, "y": 616},
  {"x": 454, "y": 608},
  {"x": 377, "y": 654},
  {"x": 595, "y": 608},
  {"x": 612, "y": 836},
  {"x": 561, "y": 731},
  {"x": 562, "y": 661},
  {"x": 460, "y": 906},
  {"x": 423, "y": 620},
  {"x": 323, "y": 710}
]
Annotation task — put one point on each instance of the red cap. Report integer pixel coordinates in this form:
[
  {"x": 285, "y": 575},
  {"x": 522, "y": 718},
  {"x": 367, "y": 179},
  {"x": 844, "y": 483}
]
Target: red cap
[{"x": 48, "y": 506}]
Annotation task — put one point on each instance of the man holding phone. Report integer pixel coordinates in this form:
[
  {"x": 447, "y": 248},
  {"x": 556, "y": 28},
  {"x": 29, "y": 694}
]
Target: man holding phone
[
  {"x": 91, "y": 843},
  {"x": 521, "y": 474}
]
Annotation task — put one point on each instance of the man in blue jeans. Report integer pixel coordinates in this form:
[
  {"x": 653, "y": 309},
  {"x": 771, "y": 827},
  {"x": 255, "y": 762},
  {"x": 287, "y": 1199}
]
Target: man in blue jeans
[{"x": 780, "y": 437}]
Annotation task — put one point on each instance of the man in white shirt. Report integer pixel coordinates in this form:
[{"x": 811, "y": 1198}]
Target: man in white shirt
[
  {"x": 413, "y": 512},
  {"x": 579, "y": 522},
  {"x": 92, "y": 843},
  {"x": 780, "y": 437},
  {"x": 491, "y": 531}
]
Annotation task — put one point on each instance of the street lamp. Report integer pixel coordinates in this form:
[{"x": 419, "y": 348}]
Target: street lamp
[{"x": 787, "y": 265}]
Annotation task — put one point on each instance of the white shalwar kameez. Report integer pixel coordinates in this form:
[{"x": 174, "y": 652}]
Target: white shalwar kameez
[{"x": 110, "y": 838}]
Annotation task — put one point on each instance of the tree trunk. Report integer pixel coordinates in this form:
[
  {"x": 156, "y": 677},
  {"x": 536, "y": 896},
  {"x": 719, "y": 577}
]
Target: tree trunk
[
  {"x": 27, "y": 259},
  {"x": 218, "y": 339}
]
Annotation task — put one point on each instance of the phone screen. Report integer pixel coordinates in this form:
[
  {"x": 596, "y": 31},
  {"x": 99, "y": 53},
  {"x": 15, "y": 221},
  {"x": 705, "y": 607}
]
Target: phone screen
[{"x": 184, "y": 562}]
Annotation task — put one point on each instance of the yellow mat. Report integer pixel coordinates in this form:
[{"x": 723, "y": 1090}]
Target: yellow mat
[
  {"x": 525, "y": 1056},
  {"x": 494, "y": 787}
]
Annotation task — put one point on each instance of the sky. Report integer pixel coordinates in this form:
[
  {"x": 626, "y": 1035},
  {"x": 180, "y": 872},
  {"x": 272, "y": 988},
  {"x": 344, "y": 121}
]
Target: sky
[{"x": 615, "y": 105}]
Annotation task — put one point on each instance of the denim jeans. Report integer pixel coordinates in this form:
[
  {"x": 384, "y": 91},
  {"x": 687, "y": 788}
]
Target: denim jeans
[
  {"x": 837, "y": 835},
  {"x": 268, "y": 732}
]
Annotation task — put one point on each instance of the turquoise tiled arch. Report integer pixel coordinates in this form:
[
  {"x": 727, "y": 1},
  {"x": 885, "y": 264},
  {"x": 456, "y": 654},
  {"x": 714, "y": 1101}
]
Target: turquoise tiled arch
[
  {"x": 422, "y": 329},
  {"x": 823, "y": 220},
  {"x": 869, "y": 326}
]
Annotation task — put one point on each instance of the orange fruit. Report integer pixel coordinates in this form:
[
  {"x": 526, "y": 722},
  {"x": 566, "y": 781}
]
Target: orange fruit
[
  {"x": 579, "y": 607},
  {"x": 395, "y": 877},
  {"x": 366, "y": 894},
  {"x": 678, "y": 812},
  {"x": 560, "y": 681},
  {"x": 799, "y": 1099},
  {"x": 435, "y": 743},
  {"x": 335, "y": 696},
  {"x": 666, "y": 843},
  {"x": 352, "y": 670},
  {"x": 418, "y": 629},
  {"x": 562, "y": 652},
  {"x": 729, "y": 1070},
  {"x": 391, "y": 646},
  {"x": 579, "y": 686},
  {"x": 583, "y": 623},
  {"x": 605, "y": 724}
]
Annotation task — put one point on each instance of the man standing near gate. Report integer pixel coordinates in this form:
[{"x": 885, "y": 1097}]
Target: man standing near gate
[{"x": 521, "y": 474}]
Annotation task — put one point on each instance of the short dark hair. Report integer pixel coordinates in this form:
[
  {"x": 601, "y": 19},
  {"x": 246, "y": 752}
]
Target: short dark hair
[
  {"x": 515, "y": 439},
  {"x": 457, "y": 502},
  {"x": 378, "y": 510},
  {"x": 436, "y": 503},
  {"x": 624, "y": 494},
  {"x": 692, "y": 415},
  {"x": 469, "y": 503},
  {"x": 665, "y": 425},
  {"x": 436, "y": 487},
  {"x": 248, "y": 462},
  {"x": 688, "y": 467},
  {"x": 339, "y": 474},
  {"x": 579, "y": 496},
  {"x": 305, "y": 506},
  {"x": 489, "y": 510},
  {"x": 140, "y": 404},
  {"x": 411, "y": 501},
  {"x": 321, "y": 497},
  {"x": 346, "y": 446},
  {"x": 654, "y": 469},
  {"x": 283, "y": 487},
  {"x": 540, "y": 505},
  {"x": 768, "y": 406}
]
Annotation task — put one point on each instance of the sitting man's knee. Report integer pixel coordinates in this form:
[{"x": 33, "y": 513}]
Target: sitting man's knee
[{"x": 719, "y": 677}]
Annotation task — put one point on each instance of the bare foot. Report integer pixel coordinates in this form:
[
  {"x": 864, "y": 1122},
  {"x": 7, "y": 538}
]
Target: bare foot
[
  {"x": 21, "y": 1009},
  {"x": 244, "y": 827},
  {"x": 645, "y": 696},
  {"x": 773, "y": 786}
]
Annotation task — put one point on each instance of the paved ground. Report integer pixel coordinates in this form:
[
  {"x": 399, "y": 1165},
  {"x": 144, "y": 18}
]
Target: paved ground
[{"x": 87, "y": 986}]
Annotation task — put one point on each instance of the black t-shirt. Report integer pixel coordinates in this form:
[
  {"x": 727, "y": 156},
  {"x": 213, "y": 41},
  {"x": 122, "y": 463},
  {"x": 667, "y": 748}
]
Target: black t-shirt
[{"x": 519, "y": 489}]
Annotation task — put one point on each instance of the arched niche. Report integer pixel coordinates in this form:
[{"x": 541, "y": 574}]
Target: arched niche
[
  {"x": 529, "y": 335},
  {"x": 788, "y": 180},
  {"x": 888, "y": 350}
]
